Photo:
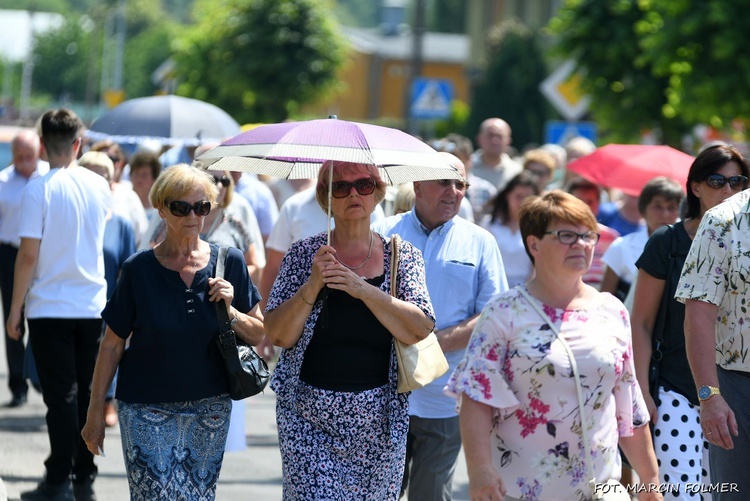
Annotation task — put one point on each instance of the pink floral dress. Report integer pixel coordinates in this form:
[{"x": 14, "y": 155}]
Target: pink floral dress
[{"x": 514, "y": 364}]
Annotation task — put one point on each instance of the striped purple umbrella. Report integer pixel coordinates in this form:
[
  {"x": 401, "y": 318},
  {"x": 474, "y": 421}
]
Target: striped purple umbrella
[{"x": 296, "y": 150}]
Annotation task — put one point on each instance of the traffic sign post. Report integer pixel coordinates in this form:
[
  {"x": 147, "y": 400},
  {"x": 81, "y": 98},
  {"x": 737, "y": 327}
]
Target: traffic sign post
[{"x": 431, "y": 98}]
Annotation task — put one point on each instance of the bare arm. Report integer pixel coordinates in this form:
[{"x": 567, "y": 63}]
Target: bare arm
[
  {"x": 273, "y": 265},
  {"x": 252, "y": 264},
  {"x": 249, "y": 326},
  {"x": 610, "y": 281},
  {"x": 476, "y": 425},
  {"x": 284, "y": 325},
  {"x": 456, "y": 337},
  {"x": 111, "y": 349},
  {"x": 646, "y": 302},
  {"x": 716, "y": 416},
  {"x": 28, "y": 254},
  {"x": 640, "y": 453}
]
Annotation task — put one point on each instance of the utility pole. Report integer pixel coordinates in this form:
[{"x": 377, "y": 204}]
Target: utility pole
[{"x": 415, "y": 66}]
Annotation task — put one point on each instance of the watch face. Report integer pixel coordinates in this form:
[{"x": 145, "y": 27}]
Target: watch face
[{"x": 704, "y": 392}]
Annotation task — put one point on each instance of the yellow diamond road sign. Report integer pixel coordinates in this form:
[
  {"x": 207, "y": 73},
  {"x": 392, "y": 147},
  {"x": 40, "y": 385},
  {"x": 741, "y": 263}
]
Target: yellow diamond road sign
[{"x": 563, "y": 89}]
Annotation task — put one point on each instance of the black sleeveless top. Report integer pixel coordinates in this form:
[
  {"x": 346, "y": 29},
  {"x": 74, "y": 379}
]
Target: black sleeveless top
[{"x": 350, "y": 349}]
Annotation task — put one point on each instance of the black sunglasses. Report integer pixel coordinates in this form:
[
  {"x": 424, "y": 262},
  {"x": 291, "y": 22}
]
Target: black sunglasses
[
  {"x": 364, "y": 186},
  {"x": 181, "y": 209},
  {"x": 717, "y": 181},
  {"x": 223, "y": 180}
]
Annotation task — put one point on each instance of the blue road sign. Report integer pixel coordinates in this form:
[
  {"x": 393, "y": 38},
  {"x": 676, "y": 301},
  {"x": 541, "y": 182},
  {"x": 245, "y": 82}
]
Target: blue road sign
[
  {"x": 431, "y": 98},
  {"x": 559, "y": 132}
]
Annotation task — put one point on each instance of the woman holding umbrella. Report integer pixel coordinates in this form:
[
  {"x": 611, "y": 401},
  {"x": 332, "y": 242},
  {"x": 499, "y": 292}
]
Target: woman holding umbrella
[{"x": 342, "y": 423}]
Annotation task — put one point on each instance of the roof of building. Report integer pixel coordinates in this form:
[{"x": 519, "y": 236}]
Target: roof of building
[{"x": 436, "y": 47}]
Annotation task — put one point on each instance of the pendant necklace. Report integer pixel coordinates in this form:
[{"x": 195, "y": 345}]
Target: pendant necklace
[{"x": 369, "y": 253}]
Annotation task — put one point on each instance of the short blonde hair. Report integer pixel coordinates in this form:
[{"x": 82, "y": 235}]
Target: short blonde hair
[
  {"x": 98, "y": 159},
  {"x": 321, "y": 190},
  {"x": 538, "y": 213},
  {"x": 404, "y": 198},
  {"x": 179, "y": 180}
]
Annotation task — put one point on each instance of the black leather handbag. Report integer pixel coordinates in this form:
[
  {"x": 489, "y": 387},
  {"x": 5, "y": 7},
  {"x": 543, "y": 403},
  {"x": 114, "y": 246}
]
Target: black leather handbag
[{"x": 247, "y": 373}]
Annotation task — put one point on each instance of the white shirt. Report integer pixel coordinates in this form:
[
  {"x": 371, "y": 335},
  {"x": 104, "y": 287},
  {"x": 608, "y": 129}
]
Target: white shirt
[
  {"x": 518, "y": 267},
  {"x": 301, "y": 217},
  {"x": 12, "y": 185},
  {"x": 499, "y": 174},
  {"x": 624, "y": 252},
  {"x": 66, "y": 209}
]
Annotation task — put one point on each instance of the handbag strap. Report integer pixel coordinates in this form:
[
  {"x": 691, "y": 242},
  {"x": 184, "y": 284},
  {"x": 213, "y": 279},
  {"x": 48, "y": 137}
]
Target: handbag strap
[
  {"x": 395, "y": 239},
  {"x": 221, "y": 312},
  {"x": 581, "y": 409},
  {"x": 666, "y": 297}
]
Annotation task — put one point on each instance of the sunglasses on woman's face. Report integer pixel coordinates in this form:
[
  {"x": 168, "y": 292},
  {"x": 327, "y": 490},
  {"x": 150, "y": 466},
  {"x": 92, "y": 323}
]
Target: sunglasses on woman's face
[
  {"x": 717, "y": 181},
  {"x": 223, "y": 180},
  {"x": 181, "y": 209},
  {"x": 364, "y": 186}
]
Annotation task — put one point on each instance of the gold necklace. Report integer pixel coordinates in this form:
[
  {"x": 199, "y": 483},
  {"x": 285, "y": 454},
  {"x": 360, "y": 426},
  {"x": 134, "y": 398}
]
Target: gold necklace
[{"x": 369, "y": 253}]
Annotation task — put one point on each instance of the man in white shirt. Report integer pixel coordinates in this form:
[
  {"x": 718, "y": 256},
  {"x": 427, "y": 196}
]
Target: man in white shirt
[
  {"x": 491, "y": 161},
  {"x": 59, "y": 279},
  {"x": 13, "y": 179}
]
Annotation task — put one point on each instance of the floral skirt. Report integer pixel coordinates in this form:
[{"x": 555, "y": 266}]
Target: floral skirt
[
  {"x": 174, "y": 451},
  {"x": 342, "y": 445}
]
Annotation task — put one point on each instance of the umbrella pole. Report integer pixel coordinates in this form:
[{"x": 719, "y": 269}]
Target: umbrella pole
[{"x": 330, "y": 187}]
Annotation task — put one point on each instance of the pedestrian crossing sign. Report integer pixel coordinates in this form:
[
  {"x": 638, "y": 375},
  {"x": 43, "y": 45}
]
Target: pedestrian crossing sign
[{"x": 431, "y": 98}]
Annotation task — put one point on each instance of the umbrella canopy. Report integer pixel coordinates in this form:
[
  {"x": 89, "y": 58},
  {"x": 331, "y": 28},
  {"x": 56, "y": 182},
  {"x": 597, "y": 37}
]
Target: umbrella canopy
[
  {"x": 168, "y": 119},
  {"x": 296, "y": 150},
  {"x": 628, "y": 167}
]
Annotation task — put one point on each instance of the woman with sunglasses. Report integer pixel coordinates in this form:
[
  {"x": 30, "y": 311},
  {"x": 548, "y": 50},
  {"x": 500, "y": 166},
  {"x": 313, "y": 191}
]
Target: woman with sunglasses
[
  {"x": 717, "y": 173},
  {"x": 172, "y": 388},
  {"x": 342, "y": 424},
  {"x": 520, "y": 418},
  {"x": 221, "y": 226}
]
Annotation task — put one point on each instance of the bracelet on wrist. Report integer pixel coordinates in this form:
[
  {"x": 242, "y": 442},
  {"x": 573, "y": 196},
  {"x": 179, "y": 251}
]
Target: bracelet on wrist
[{"x": 302, "y": 297}]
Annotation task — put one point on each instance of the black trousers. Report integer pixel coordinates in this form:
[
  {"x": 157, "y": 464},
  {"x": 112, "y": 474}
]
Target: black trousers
[
  {"x": 14, "y": 350},
  {"x": 65, "y": 351}
]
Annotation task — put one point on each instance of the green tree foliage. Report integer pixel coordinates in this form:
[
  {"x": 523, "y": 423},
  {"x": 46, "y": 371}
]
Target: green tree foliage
[
  {"x": 509, "y": 87},
  {"x": 259, "y": 59},
  {"x": 61, "y": 61},
  {"x": 661, "y": 65},
  {"x": 144, "y": 53}
]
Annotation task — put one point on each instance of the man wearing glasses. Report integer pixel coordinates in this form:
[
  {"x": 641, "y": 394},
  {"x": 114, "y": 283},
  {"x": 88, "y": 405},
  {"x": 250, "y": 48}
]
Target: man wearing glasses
[
  {"x": 464, "y": 270},
  {"x": 59, "y": 275}
]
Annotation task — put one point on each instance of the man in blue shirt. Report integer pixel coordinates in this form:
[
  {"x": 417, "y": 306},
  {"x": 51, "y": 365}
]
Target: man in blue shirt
[{"x": 464, "y": 270}]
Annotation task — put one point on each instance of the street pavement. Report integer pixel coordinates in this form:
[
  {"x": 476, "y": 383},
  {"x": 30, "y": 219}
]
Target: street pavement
[{"x": 253, "y": 473}]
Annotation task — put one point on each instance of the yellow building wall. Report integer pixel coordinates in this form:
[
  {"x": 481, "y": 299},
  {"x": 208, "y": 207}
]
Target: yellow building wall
[{"x": 351, "y": 100}]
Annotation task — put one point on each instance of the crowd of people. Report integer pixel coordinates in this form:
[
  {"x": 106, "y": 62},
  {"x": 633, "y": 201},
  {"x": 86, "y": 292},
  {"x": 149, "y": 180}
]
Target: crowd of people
[{"x": 528, "y": 275}]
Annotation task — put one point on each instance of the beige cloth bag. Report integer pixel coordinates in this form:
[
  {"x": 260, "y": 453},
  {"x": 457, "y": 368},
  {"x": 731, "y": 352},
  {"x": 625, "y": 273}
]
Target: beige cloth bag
[{"x": 421, "y": 363}]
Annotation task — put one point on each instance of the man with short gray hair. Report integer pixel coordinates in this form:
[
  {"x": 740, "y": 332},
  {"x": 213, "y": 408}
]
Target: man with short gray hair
[{"x": 13, "y": 179}]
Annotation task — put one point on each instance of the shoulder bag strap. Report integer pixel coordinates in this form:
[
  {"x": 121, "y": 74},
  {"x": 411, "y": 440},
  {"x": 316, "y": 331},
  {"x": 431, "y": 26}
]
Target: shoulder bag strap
[
  {"x": 394, "y": 263},
  {"x": 584, "y": 432},
  {"x": 221, "y": 311},
  {"x": 661, "y": 320}
]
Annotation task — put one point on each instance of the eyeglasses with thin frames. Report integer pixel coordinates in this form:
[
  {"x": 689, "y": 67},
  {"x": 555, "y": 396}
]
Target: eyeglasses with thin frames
[
  {"x": 717, "y": 182},
  {"x": 364, "y": 186},
  {"x": 180, "y": 208},
  {"x": 567, "y": 237}
]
